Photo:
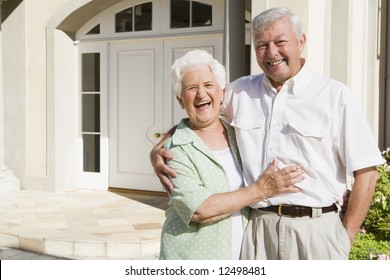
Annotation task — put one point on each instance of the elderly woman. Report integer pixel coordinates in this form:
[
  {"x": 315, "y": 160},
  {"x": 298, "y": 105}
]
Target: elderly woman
[{"x": 207, "y": 211}]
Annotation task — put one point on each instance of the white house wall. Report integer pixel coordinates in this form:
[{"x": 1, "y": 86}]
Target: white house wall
[
  {"x": 14, "y": 87},
  {"x": 64, "y": 122},
  {"x": 8, "y": 182},
  {"x": 25, "y": 81}
]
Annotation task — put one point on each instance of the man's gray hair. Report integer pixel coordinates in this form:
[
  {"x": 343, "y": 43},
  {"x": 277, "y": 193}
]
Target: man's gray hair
[
  {"x": 264, "y": 20},
  {"x": 192, "y": 59}
]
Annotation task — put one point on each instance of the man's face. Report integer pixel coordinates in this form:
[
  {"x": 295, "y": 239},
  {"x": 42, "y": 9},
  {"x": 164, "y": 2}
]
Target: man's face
[{"x": 278, "y": 52}]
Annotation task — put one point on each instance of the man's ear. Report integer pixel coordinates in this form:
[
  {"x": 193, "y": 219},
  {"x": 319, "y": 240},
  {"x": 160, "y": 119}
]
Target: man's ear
[{"x": 302, "y": 42}]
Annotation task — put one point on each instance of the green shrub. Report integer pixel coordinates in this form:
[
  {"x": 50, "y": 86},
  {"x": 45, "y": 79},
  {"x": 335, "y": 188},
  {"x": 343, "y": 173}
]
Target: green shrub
[
  {"x": 373, "y": 242},
  {"x": 367, "y": 246}
]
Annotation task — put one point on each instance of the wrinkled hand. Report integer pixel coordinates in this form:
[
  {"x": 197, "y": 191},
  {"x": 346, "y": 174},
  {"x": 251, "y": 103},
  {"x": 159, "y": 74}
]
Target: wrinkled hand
[
  {"x": 276, "y": 181},
  {"x": 345, "y": 201},
  {"x": 158, "y": 156}
]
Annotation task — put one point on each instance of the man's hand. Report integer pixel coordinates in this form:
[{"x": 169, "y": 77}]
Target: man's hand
[
  {"x": 345, "y": 201},
  {"x": 158, "y": 156}
]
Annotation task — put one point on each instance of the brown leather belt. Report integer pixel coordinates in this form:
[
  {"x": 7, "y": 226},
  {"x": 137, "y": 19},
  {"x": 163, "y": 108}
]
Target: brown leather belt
[{"x": 296, "y": 210}]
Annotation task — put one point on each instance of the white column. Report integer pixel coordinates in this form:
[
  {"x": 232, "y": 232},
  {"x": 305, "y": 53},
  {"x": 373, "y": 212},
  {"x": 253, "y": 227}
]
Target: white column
[{"x": 8, "y": 182}]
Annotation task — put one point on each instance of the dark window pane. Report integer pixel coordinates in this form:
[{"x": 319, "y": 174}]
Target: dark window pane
[
  {"x": 202, "y": 14},
  {"x": 95, "y": 30},
  {"x": 247, "y": 59},
  {"x": 180, "y": 14},
  {"x": 91, "y": 153},
  {"x": 90, "y": 71},
  {"x": 143, "y": 17},
  {"x": 91, "y": 113},
  {"x": 124, "y": 21}
]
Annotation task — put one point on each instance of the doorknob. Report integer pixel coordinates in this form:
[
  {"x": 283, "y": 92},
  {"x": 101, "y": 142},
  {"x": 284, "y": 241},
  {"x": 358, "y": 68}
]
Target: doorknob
[{"x": 158, "y": 135}]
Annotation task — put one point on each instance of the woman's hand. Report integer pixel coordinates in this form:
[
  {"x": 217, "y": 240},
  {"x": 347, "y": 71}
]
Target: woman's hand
[{"x": 274, "y": 182}]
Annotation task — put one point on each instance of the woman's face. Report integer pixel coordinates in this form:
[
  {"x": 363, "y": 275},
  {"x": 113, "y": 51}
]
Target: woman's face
[{"x": 200, "y": 96}]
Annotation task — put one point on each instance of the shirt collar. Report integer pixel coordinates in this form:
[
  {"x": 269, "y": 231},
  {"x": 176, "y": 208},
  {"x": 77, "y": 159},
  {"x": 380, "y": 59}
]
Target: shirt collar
[
  {"x": 184, "y": 135},
  {"x": 294, "y": 84}
]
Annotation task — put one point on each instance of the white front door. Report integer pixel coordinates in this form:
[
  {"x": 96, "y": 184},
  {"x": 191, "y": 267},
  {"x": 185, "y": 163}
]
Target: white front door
[
  {"x": 141, "y": 105},
  {"x": 136, "y": 111}
]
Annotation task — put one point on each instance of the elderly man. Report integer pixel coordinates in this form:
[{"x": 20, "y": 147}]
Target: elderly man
[{"x": 293, "y": 115}]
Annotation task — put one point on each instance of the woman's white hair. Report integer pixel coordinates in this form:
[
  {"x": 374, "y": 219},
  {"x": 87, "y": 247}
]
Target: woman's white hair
[
  {"x": 192, "y": 59},
  {"x": 264, "y": 20}
]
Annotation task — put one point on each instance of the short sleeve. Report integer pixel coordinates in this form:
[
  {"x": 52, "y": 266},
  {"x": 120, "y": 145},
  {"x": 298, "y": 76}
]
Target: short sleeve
[
  {"x": 357, "y": 146},
  {"x": 189, "y": 192}
]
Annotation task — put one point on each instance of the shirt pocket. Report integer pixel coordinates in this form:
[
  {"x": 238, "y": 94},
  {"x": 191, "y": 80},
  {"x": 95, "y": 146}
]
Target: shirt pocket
[
  {"x": 309, "y": 138},
  {"x": 248, "y": 123},
  {"x": 250, "y": 136}
]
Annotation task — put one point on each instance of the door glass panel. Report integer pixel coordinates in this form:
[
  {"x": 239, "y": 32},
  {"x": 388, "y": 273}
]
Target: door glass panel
[
  {"x": 90, "y": 71},
  {"x": 91, "y": 156},
  {"x": 124, "y": 21},
  {"x": 143, "y": 17},
  {"x": 202, "y": 14},
  {"x": 180, "y": 14},
  {"x": 91, "y": 112},
  {"x": 94, "y": 31}
]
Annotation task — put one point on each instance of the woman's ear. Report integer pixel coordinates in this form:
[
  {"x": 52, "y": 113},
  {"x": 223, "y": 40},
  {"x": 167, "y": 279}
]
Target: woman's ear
[
  {"x": 180, "y": 101},
  {"x": 222, "y": 96}
]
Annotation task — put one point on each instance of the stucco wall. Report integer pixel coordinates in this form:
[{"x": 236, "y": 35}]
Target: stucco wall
[
  {"x": 14, "y": 87},
  {"x": 24, "y": 32}
]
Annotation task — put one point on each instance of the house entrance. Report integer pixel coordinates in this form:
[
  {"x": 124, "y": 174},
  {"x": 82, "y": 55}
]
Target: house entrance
[{"x": 141, "y": 105}]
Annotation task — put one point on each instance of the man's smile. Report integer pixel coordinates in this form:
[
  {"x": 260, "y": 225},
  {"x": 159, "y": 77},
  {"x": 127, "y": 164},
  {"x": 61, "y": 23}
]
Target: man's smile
[{"x": 276, "y": 62}]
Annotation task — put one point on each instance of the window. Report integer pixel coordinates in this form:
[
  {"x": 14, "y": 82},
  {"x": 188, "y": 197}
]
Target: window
[
  {"x": 94, "y": 31},
  {"x": 90, "y": 84},
  {"x": 185, "y": 14},
  {"x": 137, "y": 18},
  {"x": 124, "y": 21}
]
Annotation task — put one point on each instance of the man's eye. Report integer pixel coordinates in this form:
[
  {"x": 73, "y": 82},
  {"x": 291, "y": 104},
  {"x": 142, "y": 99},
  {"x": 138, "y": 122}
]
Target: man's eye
[{"x": 280, "y": 43}]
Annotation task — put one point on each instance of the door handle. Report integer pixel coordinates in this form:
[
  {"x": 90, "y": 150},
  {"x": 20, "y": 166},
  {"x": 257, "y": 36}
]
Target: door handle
[{"x": 157, "y": 135}]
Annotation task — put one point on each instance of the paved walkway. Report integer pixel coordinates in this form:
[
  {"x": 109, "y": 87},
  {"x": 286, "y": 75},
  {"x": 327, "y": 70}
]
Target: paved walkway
[
  {"x": 17, "y": 254},
  {"x": 80, "y": 224}
]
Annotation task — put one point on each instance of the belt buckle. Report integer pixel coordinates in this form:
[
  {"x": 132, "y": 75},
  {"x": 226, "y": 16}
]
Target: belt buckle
[{"x": 280, "y": 209}]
